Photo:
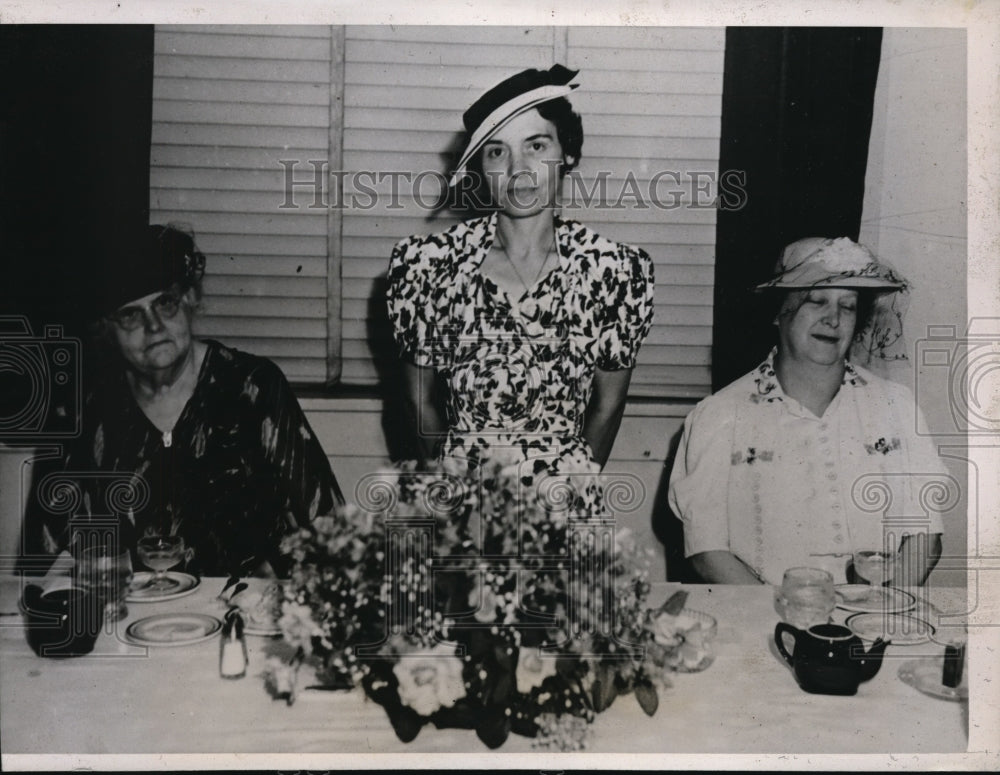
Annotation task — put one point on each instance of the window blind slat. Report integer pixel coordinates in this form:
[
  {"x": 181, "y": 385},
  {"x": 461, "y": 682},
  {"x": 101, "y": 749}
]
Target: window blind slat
[{"x": 228, "y": 104}]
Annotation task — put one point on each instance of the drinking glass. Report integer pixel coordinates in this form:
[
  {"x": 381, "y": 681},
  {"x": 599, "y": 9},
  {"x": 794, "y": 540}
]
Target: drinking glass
[
  {"x": 161, "y": 553},
  {"x": 805, "y": 597},
  {"x": 106, "y": 571},
  {"x": 877, "y": 567}
]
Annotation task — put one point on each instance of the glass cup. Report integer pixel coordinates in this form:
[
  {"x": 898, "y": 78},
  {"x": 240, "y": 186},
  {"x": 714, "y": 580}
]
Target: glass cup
[
  {"x": 106, "y": 572},
  {"x": 954, "y": 643},
  {"x": 878, "y": 568},
  {"x": 161, "y": 553},
  {"x": 805, "y": 597}
]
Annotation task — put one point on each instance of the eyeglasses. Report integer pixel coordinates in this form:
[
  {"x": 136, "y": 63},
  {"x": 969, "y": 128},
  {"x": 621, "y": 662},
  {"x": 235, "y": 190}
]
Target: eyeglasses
[{"x": 130, "y": 318}]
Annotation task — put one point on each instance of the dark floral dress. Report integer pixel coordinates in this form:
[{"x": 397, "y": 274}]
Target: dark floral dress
[
  {"x": 240, "y": 469},
  {"x": 519, "y": 371}
]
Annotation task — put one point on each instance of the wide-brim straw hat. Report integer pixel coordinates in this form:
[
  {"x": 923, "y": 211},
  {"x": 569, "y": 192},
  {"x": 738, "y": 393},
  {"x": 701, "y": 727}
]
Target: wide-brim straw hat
[
  {"x": 507, "y": 100},
  {"x": 819, "y": 262}
]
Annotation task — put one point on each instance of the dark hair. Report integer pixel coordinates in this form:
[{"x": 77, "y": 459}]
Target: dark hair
[{"x": 569, "y": 132}]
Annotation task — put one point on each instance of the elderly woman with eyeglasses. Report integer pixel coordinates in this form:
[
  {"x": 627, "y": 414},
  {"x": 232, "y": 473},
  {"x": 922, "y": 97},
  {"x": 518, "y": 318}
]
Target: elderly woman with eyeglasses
[{"x": 215, "y": 435}]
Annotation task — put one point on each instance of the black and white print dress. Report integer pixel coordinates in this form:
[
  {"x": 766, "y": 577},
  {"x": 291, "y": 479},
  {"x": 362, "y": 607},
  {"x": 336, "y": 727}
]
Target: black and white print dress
[{"x": 519, "y": 371}]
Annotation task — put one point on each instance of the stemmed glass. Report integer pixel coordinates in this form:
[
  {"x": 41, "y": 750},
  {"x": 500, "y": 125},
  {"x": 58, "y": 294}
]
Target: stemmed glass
[
  {"x": 161, "y": 553},
  {"x": 878, "y": 567}
]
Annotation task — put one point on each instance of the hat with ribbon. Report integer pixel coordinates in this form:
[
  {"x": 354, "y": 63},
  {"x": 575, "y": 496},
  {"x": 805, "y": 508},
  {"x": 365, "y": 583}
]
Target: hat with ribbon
[
  {"x": 507, "y": 100},
  {"x": 817, "y": 262}
]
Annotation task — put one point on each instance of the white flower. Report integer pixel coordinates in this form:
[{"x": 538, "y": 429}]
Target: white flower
[
  {"x": 843, "y": 255},
  {"x": 532, "y": 669},
  {"x": 430, "y": 680},
  {"x": 298, "y": 626}
]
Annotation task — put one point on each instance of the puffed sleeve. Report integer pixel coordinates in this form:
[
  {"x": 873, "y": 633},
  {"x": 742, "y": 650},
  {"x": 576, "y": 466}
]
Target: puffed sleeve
[
  {"x": 411, "y": 298},
  {"x": 628, "y": 310},
  {"x": 699, "y": 492}
]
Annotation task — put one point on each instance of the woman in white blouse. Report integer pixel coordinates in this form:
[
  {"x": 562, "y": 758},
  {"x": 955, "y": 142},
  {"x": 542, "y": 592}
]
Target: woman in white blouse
[{"x": 772, "y": 470}]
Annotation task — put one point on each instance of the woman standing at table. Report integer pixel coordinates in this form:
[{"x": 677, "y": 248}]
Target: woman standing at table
[
  {"x": 533, "y": 321},
  {"x": 764, "y": 474},
  {"x": 215, "y": 435}
]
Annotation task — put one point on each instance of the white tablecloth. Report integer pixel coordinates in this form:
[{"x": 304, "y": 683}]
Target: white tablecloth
[{"x": 124, "y": 699}]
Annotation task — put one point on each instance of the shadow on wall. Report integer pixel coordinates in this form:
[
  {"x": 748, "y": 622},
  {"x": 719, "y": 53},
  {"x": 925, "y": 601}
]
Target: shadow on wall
[
  {"x": 398, "y": 427},
  {"x": 667, "y": 526}
]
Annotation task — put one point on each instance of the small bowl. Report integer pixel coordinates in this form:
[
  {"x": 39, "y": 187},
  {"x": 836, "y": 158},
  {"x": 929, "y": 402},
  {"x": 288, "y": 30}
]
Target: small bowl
[
  {"x": 63, "y": 622},
  {"x": 692, "y": 633}
]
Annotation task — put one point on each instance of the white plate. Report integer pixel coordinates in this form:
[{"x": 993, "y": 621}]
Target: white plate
[
  {"x": 901, "y": 629},
  {"x": 924, "y": 675},
  {"x": 181, "y": 584},
  {"x": 853, "y": 597},
  {"x": 173, "y": 629}
]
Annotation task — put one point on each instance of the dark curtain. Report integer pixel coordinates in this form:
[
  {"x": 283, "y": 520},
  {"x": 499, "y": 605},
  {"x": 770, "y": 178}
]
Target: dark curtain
[
  {"x": 75, "y": 133},
  {"x": 75, "y": 129},
  {"x": 796, "y": 119}
]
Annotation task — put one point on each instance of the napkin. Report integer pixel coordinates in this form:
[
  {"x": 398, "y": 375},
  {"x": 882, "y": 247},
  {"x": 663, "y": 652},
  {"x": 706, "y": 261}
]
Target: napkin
[{"x": 59, "y": 575}]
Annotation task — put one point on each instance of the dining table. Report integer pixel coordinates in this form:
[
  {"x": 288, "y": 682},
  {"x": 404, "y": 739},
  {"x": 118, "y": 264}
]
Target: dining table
[{"x": 124, "y": 698}]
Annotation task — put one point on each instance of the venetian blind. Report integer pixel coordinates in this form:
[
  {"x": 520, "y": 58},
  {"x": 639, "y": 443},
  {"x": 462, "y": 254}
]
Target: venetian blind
[
  {"x": 305, "y": 285},
  {"x": 229, "y": 105},
  {"x": 651, "y": 105}
]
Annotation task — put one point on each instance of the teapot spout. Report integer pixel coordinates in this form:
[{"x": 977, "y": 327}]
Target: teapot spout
[{"x": 871, "y": 662}]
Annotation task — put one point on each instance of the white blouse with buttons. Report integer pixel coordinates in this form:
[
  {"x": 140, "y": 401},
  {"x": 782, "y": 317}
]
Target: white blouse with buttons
[{"x": 759, "y": 475}]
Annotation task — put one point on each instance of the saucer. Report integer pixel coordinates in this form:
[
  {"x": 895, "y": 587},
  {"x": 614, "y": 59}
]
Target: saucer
[
  {"x": 173, "y": 629},
  {"x": 854, "y": 597},
  {"x": 901, "y": 629},
  {"x": 924, "y": 675},
  {"x": 181, "y": 584}
]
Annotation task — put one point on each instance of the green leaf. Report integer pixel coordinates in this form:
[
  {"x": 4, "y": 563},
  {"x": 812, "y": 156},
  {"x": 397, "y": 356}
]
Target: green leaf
[
  {"x": 604, "y": 689},
  {"x": 649, "y": 701},
  {"x": 676, "y": 602},
  {"x": 494, "y": 728}
]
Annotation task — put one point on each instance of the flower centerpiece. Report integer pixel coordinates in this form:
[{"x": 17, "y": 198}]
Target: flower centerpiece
[{"x": 496, "y": 603}]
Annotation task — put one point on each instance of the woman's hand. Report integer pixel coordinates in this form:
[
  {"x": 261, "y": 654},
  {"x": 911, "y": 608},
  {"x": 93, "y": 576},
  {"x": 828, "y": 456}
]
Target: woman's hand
[
  {"x": 722, "y": 567},
  {"x": 425, "y": 420},
  {"x": 605, "y": 410}
]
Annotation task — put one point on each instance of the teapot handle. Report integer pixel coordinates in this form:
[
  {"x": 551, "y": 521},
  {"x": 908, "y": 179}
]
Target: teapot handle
[{"x": 780, "y": 629}]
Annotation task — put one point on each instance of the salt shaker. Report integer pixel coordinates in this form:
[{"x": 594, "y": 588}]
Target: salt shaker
[{"x": 233, "y": 648}]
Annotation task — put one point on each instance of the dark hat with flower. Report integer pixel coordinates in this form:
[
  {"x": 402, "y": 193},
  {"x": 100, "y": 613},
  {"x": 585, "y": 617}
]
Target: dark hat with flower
[
  {"x": 143, "y": 260},
  {"x": 507, "y": 100},
  {"x": 818, "y": 262}
]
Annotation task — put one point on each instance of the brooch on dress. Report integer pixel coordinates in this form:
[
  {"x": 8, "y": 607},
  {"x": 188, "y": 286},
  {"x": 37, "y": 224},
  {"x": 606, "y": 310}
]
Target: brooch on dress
[
  {"x": 882, "y": 445},
  {"x": 752, "y": 454}
]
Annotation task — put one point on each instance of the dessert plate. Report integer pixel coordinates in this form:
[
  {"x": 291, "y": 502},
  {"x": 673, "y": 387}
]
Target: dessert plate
[
  {"x": 854, "y": 597},
  {"x": 901, "y": 629},
  {"x": 173, "y": 629},
  {"x": 142, "y": 591}
]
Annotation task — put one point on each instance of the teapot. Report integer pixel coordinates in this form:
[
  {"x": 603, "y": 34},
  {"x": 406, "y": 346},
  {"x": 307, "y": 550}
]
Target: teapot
[{"x": 829, "y": 658}]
